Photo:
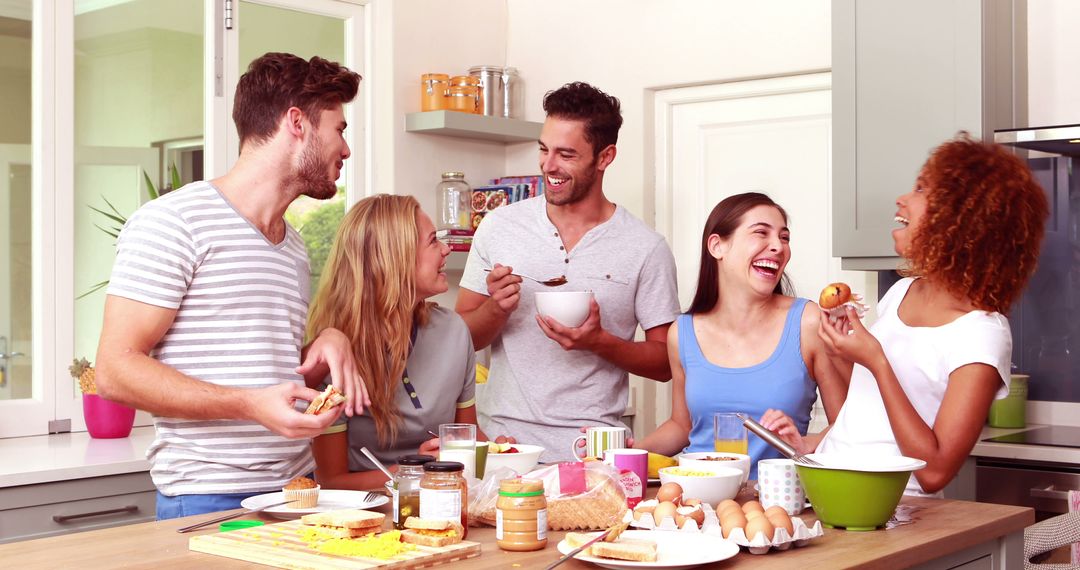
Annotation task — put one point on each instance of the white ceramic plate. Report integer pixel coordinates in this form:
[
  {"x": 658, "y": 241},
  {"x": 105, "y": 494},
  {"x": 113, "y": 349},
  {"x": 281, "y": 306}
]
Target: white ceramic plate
[
  {"x": 329, "y": 500},
  {"x": 674, "y": 549}
]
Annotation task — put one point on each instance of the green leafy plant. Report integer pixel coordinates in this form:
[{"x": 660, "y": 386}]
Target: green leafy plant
[{"x": 116, "y": 219}]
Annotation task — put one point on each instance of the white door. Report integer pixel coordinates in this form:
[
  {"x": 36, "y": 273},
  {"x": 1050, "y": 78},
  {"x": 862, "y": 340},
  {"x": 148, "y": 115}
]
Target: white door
[
  {"x": 15, "y": 275},
  {"x": 769, "y": 135}
]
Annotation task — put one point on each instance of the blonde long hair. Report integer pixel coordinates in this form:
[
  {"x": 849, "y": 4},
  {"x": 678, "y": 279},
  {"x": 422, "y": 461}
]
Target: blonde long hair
[{"x": 368, "y": 291}]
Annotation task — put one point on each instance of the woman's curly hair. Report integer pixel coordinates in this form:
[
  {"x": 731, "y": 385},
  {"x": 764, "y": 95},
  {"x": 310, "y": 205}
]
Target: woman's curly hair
[{"x": 983, "y": 226}]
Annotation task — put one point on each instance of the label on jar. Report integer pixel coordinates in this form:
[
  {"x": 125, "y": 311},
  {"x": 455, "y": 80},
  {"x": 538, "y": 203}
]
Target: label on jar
[
  {"x": 440, "y": 504},
  {"x": 541, "y": 524},
  {"x": 498, "y": 524},
  {"x": 396, "y": 496}
]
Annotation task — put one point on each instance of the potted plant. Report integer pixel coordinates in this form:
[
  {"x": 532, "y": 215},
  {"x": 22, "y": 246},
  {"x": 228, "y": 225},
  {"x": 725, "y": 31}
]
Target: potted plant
[{"x": 105, "y": 419}]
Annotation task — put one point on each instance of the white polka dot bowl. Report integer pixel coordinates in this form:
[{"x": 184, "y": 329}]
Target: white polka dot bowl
[{"x": 779, "y": 485}]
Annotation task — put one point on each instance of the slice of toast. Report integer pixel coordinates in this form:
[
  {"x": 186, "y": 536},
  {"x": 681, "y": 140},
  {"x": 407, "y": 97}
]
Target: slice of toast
[
  {"x": 342, "y": 532},
  {"x": 632, "y": 549},
  {"x": 325, "y": 401},
  {"x": 347, "y": 518},
  {"x": 432, "y": 532}
]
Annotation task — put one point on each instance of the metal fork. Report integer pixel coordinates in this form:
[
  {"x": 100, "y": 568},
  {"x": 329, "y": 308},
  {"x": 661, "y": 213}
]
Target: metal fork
[
  {"x": 772, "y": 439},
  {"x": 371, "y": 496}
]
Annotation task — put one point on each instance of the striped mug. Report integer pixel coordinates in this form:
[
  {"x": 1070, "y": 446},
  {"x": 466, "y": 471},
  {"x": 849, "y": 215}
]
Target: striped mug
[{"x": 598, "y": 440}]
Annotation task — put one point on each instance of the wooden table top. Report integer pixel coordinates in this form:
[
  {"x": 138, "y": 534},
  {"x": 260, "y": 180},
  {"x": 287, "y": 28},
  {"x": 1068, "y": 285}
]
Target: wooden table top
[{"x": 941, "y": 527}]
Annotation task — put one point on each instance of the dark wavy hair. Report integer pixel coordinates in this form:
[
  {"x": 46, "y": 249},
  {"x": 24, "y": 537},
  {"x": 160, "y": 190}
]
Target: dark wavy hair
[
  {"x": 984, "y": 223},
  {"x": 723, "y": 221},
  {"x": 277, "y": 81},
  {"x": 600, "y": 112}
]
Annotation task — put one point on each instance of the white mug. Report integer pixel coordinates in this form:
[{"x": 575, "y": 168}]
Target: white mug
[
  {"x": 778, "y": 484},
  {"x": 598, "y": 440}
]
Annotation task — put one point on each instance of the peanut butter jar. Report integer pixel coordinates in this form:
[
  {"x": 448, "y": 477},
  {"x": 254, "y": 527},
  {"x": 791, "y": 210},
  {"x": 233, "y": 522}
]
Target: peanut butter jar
[{"x": 521, "y": 515}]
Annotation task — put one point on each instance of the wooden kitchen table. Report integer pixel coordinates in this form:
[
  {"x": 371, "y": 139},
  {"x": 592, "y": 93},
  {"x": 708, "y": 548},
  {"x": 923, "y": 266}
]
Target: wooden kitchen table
[{"x": 946, "y": 534}]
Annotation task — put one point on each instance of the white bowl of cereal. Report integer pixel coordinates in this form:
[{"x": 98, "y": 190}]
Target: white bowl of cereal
[
  {"x": 710, "y": 484},
  {"x": 710, "y": 459}
]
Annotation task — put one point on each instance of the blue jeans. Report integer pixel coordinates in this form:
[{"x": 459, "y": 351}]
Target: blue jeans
[{"x": 186, "y": 505}]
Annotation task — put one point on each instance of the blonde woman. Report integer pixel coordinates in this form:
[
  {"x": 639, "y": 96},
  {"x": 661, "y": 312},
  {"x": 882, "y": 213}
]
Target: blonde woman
[{"x": 415, "y": 357}]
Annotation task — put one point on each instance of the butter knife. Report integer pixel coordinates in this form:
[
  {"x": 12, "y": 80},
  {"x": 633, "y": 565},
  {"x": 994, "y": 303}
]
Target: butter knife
[
  {"x": 232, "y": 516},
  {"x": 614, "y": 531}
]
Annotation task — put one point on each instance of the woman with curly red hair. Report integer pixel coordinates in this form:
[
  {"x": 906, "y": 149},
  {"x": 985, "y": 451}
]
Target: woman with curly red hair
[{"x": 926, "y": 372}]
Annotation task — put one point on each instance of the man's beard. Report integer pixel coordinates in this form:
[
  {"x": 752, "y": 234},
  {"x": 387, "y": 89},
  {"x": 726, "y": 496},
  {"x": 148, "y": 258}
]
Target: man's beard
[
  {"x": 312, "y": 173},
  {"x": 579, "y": 190}
]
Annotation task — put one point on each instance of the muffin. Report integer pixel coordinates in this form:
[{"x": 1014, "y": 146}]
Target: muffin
[{"x": 303, "y": 492}]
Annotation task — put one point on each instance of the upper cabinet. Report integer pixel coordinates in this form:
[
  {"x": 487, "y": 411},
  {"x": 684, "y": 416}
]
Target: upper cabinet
[{"x": 906, "y": 77}]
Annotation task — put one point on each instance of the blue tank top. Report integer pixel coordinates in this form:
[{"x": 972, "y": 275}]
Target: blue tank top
[{"x": 781, "y": 382}]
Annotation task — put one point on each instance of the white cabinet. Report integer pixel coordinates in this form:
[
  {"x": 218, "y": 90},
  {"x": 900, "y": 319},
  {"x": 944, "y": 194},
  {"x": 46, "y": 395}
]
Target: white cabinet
[
  {"x": 906, "y": 77},
  {"x": 61, "y": 507}
]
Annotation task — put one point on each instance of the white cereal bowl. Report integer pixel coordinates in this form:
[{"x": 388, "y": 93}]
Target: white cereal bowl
[
  {"x": 569, "y": 308},
  {"x": 698, "y": 460},
  {"x": 722, "y": 483},
  {"x": 521, "y": 462}
]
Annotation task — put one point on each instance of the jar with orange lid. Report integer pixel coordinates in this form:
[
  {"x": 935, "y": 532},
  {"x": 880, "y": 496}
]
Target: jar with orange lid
[
  {"x": 444, "y": 494},
  {"x": 433, "y": 91},
  {"x": 463, "y": 98},
  {"x": 521, "y": 515}
]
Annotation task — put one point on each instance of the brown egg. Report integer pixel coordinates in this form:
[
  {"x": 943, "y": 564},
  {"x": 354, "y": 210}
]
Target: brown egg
[
  {"x": 691, "y": 502},
  {"x": 758, "y": 525},
  {"x": 725, "y": 504},
  {"x": 694, "y": 513},
  {"x": 754, "y": 514},
  {"x": 752, "y": 506},
  {"x": 670, "y": 492},
  {"x": 731, "y": 520},
  {"x": 780, "y": 519},
  {"x": 664, "y": 510}
]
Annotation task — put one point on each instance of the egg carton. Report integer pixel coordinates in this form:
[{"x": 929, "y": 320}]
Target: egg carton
[{"x": 781, "y": 539}]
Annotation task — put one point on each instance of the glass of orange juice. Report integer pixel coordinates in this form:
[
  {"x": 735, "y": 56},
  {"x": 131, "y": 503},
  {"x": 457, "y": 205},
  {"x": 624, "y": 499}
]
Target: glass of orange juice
[{"x": 729, "y": 434}]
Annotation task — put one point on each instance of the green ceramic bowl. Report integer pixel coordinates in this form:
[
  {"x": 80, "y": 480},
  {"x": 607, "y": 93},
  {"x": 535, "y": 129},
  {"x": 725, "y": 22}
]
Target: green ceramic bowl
[{"x": 853, "y": 491}]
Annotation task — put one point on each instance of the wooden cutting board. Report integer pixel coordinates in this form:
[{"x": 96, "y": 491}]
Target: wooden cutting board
[{"x": 279, "y": 545}]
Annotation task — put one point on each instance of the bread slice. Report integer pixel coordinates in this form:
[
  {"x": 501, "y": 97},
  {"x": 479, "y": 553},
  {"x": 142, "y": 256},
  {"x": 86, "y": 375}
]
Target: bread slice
[
  {"x": 342, "y": 532},
  {"x": 432, "y": 532},
  {"x": 633, "y": 549},
  {"x": 347, "y": 518},
  {"x": 329, "y": 398}
]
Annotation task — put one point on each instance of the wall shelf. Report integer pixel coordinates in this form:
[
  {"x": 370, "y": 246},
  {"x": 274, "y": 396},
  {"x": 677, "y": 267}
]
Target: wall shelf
[{"x": 467, "y": 125}]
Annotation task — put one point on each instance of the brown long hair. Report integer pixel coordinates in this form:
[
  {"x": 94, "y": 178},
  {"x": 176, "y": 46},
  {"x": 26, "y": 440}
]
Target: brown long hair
[
  {"x": 368, "y": 291},
  {"x": 276, "y": 81},
  {"x": 984, "y": 222},
  {"x": 723, "y": 221}
]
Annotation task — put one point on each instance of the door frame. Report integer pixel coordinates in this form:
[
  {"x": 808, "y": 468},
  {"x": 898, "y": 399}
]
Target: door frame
[{"x": 10, "y": 155}]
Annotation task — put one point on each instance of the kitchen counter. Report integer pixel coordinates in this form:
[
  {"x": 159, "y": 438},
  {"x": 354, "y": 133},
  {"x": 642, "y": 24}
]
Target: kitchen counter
[
  {"x": 67, "y": 456},
  {"x": 946, "y": 534}
]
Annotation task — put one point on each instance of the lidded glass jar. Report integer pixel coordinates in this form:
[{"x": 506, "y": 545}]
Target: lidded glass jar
[
  {"x": 453, "y": 202},
  {"x": 521, "y": 515},
  {"x": 444, "y": 493},
  {"x": 406, "y": 488}
]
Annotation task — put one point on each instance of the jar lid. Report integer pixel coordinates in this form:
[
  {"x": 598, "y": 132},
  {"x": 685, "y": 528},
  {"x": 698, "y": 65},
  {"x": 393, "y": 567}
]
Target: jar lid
[
  {"x": 453, "y": 175},
  {"x": 464, "y": 80},
  {"x": 414, "y": 459},
  {"x": 444, "y": 466},
  {"x": 485, "y": 68},
  {"x": 238, "y": 525},
  {"x": 434, "y": 77},
  {"x": 518, "y": 487}
]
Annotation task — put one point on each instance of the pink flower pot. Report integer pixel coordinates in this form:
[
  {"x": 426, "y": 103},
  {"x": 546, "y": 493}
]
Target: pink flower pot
[{"x": 106, "y": 419}]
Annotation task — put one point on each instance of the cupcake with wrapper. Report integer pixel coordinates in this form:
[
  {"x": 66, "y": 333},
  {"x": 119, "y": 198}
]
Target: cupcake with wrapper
[
  {"x": 302, "y": 492},
  {"x": 836, "y": 297}
]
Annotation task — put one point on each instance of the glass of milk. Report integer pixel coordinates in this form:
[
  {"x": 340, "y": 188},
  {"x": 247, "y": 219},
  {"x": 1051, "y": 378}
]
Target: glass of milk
[{"x": 457, "y": 442}]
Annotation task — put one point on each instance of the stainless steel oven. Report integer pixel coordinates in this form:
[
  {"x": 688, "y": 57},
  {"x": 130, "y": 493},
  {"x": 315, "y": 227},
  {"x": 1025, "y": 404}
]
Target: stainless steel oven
[{"x": 1042, "y": 486}]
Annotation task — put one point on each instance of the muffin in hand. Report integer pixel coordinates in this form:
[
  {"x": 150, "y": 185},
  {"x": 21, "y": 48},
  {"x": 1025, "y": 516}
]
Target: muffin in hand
[{"x": 303, "y": 492}]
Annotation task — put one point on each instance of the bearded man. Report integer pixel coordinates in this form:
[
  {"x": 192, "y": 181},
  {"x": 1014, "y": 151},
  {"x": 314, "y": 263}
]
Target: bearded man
[
  {"x": 207, "y": 303},
  {"x": 548, "y": 380}
]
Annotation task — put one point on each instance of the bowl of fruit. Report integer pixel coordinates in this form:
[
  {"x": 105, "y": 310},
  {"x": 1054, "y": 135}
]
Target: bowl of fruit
[{"x": 520, "y": 457}]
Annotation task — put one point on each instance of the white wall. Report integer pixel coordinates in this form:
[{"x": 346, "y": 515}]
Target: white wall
[{"x": 630, "y": 47}]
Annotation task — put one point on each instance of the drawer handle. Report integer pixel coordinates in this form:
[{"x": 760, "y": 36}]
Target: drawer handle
[
  {"x": 1050, "y": 493},
  {"x": 65, "y": 518}
]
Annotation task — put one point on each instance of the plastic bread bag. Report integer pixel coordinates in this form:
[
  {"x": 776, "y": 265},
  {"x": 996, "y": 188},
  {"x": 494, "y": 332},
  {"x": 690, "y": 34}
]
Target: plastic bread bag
[
  {"x": 581, "y": 496},
  {"x": 483, "y": 494}
]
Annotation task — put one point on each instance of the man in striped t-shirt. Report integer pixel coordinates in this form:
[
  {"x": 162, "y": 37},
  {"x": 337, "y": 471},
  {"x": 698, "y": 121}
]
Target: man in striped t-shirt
[{"x": 206, "y": 307}]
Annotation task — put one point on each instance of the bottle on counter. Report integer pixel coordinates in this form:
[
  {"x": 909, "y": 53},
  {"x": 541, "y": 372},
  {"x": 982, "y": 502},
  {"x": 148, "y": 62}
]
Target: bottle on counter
[
  {"x": 521, "y": 515},
  {"x": 444, "y": 494},
  {"x": 454, "y": 202},
  {"x": 406, "y": 489}
]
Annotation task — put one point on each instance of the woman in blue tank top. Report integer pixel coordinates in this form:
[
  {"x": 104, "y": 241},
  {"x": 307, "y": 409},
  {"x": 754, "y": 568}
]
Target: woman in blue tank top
[{"x": 744, "y": 345}]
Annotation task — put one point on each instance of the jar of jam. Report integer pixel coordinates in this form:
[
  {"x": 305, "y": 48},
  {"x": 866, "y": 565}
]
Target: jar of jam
[
  {"x": 433, "y": 91},
  {"x": 521, "y": 515},
  {"x": 406, "y": 488},
  {"x": 444, "y": 493}
]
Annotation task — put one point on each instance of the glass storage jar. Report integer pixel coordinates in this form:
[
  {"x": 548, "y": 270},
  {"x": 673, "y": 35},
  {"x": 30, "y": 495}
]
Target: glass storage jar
[
  {"x": 444, "y": 493},
  {"x": 521, "y": 515},
  {"x": 454, "y": 202},
  {"x": 406, "y": 488},
  {"x": 433, "y": 88}
]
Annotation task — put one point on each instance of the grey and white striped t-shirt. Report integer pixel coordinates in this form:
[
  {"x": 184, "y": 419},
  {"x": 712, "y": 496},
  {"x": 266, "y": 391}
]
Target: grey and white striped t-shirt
[{"x": 241, "y": 305}]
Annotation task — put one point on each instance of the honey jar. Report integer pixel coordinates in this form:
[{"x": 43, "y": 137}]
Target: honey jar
[
  {"x": 521, "y": 515},
  {"x": 433, "y": 91},
  {"x": 444, "y": 493},
  {"x": 406, "y": 487}
]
